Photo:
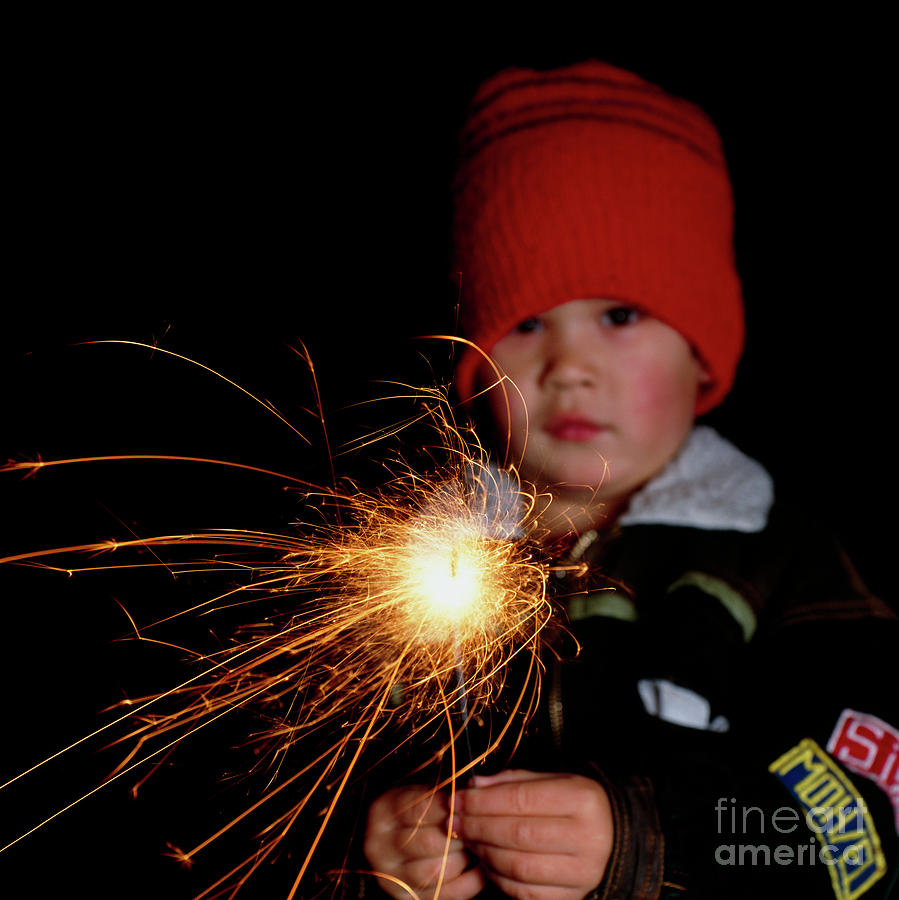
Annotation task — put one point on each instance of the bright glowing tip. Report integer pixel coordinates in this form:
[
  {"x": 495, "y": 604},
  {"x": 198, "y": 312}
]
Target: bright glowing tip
[{"x": 449, "y": 580}]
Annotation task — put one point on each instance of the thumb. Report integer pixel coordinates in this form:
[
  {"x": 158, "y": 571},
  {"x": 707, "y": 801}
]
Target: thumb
[{"x": 508, "y": 776}]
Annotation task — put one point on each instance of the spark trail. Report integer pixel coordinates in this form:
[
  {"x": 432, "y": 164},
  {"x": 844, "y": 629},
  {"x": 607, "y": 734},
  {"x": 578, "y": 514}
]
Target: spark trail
[{"x": 381, "y": 613}]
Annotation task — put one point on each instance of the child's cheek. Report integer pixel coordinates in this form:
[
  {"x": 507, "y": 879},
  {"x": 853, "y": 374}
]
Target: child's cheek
[{"x": 662, "y": 399}]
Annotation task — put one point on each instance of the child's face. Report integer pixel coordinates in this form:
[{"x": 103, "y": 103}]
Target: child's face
[{"x": 609, "y": 396}]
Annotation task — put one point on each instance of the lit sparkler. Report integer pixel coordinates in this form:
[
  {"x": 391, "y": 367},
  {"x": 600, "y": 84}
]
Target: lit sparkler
[{"x": 406, "y": 606}]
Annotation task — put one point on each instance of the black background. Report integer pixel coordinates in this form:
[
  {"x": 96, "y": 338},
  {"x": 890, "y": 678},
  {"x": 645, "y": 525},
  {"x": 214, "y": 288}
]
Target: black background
[{"x": 225, "y": 189}]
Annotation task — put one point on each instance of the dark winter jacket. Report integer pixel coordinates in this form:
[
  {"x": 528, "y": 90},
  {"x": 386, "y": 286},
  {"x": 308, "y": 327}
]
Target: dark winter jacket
[{"x": 735, "y": 692}]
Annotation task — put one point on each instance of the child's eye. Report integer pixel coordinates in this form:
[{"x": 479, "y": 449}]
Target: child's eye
[
  {"x": 621, "y": 315},
  {"x": 528, "y": 325}
]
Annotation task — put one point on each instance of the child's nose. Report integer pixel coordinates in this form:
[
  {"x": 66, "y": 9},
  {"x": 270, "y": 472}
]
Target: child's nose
[{"x": 571, "y": 364}]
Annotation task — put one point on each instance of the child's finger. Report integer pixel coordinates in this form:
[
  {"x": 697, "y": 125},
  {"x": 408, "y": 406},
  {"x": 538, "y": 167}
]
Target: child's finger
[
  {"x": 427, "y": 841},
  {"x": 510, "y": 775},
  {"x": 534, "y": 834},
  {"x": 533, "y": 869},
  {"x": 425, "y": 872},
  {"x": 418, "y": 807},
  {"x": 516, "y": 798},
  {"x": 541, "y": 795},
  {"x": 464, "y": 887},
  {"x": 457, "y": 884}
]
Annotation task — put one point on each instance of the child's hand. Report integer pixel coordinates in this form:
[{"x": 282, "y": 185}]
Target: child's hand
[
  {"x": 539, "y": 836},
  {"x": 406, "y": 837}
]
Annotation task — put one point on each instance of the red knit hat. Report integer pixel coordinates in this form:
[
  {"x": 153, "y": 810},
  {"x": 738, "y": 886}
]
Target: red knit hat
[{"x": 590, "y": 183}]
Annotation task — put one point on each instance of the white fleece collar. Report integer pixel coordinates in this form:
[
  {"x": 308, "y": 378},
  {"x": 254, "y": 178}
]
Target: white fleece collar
[{"x": 709, "y": 484}]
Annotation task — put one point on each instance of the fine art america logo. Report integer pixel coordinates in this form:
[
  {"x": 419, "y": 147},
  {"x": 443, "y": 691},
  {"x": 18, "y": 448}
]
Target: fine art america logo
[{"x": 844, "y": 838}]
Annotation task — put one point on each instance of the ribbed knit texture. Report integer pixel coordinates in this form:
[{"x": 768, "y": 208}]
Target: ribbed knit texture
[{"x": 590, "y": 183}]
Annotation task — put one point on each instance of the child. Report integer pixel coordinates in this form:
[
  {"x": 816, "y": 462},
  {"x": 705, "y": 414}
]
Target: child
[{"x": 730, "y": 724}]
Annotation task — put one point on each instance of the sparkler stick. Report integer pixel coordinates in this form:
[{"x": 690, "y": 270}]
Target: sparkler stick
[{"x": 467, "y": 756}]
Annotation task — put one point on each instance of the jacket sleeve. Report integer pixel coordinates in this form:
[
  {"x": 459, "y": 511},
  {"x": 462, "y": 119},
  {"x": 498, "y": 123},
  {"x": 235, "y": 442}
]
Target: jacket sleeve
[{"x": 636, "y": 865}]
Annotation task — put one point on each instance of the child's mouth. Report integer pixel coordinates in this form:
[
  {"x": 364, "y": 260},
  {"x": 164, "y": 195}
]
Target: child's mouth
[{"x": 572, "y": 428}]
